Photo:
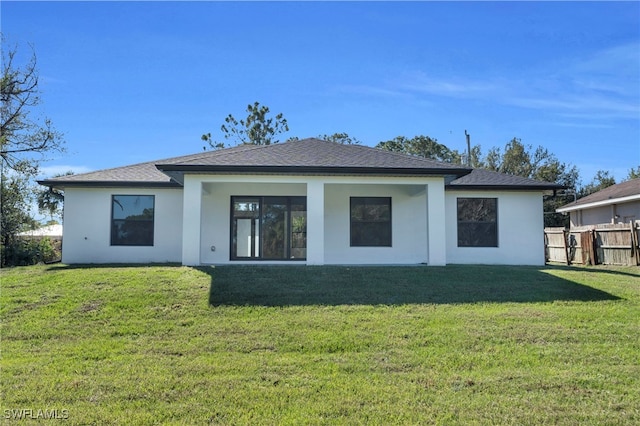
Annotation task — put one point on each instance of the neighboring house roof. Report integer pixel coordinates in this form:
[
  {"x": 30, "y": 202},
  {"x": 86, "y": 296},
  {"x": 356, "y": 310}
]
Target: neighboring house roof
[
  {"x": 45, "y": 231},
  {"x": 307, "y": 156},
  {"x": 615, "y": 194}
]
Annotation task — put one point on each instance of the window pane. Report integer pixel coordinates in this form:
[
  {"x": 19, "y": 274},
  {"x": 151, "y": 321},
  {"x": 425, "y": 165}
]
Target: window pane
[
  {"x": 243, "y": 237},
  {"x": 132, "y": 220},
  {"x": 298, "y": 227},
  {"x": 274, "y": 236},
  {"x": 477, "y": 234},
  {"x": 477, "y": 222},
  {"x": 246, "y": 207},
  {"x": 370, "y": 221},
  {"x": 477, "y": 209},
  {"x": 246, "y": 227},
  {"x": 370, "y": 234},
  {"x": 357, "y": 211},
  {"x": 377, "y": 212}
]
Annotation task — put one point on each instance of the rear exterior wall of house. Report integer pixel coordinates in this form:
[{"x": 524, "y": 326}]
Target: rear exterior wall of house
[{"x": 88, "y": 227}]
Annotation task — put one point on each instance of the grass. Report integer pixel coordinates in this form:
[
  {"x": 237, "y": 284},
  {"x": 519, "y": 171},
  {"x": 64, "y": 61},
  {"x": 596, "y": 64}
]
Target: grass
[{"x": 321, "y": 345}]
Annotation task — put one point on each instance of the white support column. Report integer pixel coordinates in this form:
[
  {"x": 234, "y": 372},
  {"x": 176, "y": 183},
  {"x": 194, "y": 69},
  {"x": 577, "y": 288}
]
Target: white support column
[
  {"x": 192, "y": 199},
  {"x": 436, "y": 224},
  {"x": 315, "y": 222}
]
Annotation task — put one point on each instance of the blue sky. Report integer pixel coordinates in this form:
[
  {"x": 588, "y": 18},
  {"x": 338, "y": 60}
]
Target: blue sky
[{"x": 133, "y": 82}]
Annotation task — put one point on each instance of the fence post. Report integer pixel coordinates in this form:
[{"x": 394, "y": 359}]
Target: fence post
[
  {"x": 594, "y": 247},
  {"x": 566, "y": 248},
  {"x": 634, "y": 243},
  {"x": 635, "y": 234}
]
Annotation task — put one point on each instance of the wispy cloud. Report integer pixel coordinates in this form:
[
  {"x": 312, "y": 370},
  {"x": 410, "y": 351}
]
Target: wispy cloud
[
  {"x": 420, "y": 82},
  {"x": 577, "y": 105},
  {"x": 602, "y": 86},
  {"x": 619, "y": 64},
  {"x": 372, "y": 91}
]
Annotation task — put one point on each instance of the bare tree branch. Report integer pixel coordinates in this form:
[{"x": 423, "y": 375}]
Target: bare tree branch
[{"x": 24, "y": 140}]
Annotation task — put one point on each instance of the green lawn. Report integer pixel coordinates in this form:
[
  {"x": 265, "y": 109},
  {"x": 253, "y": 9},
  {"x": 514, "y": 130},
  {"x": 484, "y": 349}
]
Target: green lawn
[{"x": 321, "y": 345}]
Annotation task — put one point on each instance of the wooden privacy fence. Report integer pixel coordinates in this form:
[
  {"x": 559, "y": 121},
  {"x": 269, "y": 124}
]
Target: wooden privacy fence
[{"x": 605, "y": 244}]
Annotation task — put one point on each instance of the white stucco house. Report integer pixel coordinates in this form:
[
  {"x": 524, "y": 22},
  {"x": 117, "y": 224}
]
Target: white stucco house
[
  {"x": 301, "y": 202},
  {"x": 618, "y": 203}
]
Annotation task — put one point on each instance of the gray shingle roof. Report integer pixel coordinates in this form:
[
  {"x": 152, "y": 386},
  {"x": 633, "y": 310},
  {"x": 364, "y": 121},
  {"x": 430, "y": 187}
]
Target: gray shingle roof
[
  {"x": 487, "y": 179},
  {"x": 611, "y": 193},
  {"x": 304, "y": 156},
  {"x": 135, "y": 174},
  {"x": 312, "y": 154},
  {"x": 143, "y": 172}
]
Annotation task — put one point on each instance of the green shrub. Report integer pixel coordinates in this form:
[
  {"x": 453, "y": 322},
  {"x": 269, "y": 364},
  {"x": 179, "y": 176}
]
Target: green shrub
[{"x": 23, "y": 252}]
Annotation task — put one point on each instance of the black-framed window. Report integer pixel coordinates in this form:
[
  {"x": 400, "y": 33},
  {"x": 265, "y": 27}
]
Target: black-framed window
[
  {"x": 132, "y": 219},
  {"x": 477, "y": 222},
  {"x": 370, "y": 221},
  {"x": 268, "y": 228}
]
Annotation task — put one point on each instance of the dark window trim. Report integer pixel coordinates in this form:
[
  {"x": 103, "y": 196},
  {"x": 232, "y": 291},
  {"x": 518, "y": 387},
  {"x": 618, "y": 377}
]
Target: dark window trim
[
  {"x": 152, "y": 220},
  {"x": 463, "y": 222},
  {"x": 389, "y": 222},
  {"x": 261, "y": 199}
]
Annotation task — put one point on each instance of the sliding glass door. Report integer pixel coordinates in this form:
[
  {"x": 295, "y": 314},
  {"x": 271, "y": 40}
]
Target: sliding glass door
[{"x": 269, "y": 228}]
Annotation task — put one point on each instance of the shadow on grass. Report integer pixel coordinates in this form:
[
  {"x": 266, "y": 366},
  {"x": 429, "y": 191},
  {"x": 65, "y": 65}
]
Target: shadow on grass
[{"x": 343, "y": 285}]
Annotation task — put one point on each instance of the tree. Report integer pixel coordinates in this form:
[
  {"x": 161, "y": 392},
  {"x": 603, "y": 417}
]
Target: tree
[
  {"x": 397, "y": 144},
  {"x": 25, "y": 140},
  {"x": 15, "y": 218},
  {"x": 519, "y": 159},
  {"x": 600, "y": 181},
  {"x": 342, "y": 138},
  {"x": 476, "y": 157},
  {"x": 422, "y": 146},
  {"x": 634, "y": 173},
  {"x": 15, "y": 208},
  {"x": 256, "y": 129},
  {"x": 50, "y": 200}
]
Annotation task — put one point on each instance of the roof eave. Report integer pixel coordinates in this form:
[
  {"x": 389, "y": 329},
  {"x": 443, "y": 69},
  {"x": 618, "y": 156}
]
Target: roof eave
[
  {"x": 108, "y": 184},
  {"x": 503, "y": 187}
]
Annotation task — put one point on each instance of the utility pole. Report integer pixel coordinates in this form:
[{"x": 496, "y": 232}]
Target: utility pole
[{"x": 468, "y": 148}]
